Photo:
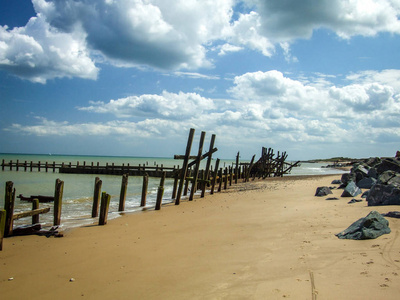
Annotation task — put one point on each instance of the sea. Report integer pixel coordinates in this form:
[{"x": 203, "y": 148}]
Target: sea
[{"x": 78, "y": 188}]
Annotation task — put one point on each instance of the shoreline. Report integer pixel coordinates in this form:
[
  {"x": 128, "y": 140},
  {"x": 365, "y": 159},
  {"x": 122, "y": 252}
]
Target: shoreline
[{"x": 258, "y": 240}]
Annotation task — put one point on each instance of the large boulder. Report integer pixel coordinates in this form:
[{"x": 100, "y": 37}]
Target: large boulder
[
  {"x": 389, "y": 177},
  {"x": 382, "y": 194},
  {"x": 366, "y": 183},
  {"x": 347, "y": 177},
  {"x": 370, "y": 227},
  {"x": 389, "y": 164},
  {"x": 351, "y": 190}
]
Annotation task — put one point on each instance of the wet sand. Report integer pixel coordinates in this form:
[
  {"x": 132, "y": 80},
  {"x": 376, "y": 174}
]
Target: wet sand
[{"x": 268, "y": 239}]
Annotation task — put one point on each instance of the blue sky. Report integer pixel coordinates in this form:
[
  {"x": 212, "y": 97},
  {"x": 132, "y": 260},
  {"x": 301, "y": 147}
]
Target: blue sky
[{"x": 317, "y": 79}]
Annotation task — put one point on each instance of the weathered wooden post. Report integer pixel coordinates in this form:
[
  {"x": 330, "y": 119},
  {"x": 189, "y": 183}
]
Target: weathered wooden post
[
  {"x": 38, "y": 168},
  {"x": 207, "y": 170},
  {"x": 174, "y": 190},
  {"x": 214, "y": 176},
  {"x": 230, "y": 175},
  {"x": 54, "y": 166},
  {"x": 122, "y": 197},
  {"x": 2, "y": 165},
  {"x": 96, "y": 197},
  {"x": 31, "y": 166},
  {"x": 35, "y": 205},
  {"x": 249, "y": 169},
  {"x": 17, "y": 165},
  {"x": 220, "y": 180},
  {"x": 46, "y": 166},
  {"x": 10, "y": 165},
  {"x": 160, "y": 191},
  {"x": 9, "y": 201},
  {"x": 2, "y": 226},
  {"x": 185, "y": 166},
  {"x": 197, "y": 166},
  {"x": 105, "y": 204},
  {"x": 144, "y": 189},
  {"x": 58, "y": 194},
  {"x": 237, "y": 168}
]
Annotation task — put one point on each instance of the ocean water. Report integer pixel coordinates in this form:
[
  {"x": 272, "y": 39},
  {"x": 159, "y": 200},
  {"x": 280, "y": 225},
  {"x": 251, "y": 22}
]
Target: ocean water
[{"x": 78, "y": 188}]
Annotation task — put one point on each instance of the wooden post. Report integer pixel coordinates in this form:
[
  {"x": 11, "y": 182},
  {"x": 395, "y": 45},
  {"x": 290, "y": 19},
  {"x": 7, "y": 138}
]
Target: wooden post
[
  {"x": 46, "y": 166},
  {"x": 122, "y": 197},
  {"x": 237, "y": 168},
  {"x": 31, "y": 166},
  {"x": 105, "y": 204},
  {"x": 230, "y": 175},
  {"x": 25, "y": 166},
  {"x": 58, "y": 194},
  {"x": 214, "y": 176},
  {"x": 2, "y": 226},
  {"x": 249, "y": 169},
  {"x": 9, "y": 201},
  {"x": 38, "y": 166},
  {"x": 220, "y": 180},
  {"x": 144, "y": 189},
  {"x": 17, "y": 165},
  {"x": 226, "y": 178},
  {"x": 96, "y": 197},
  {"x": 185, "y": 166},
  {"x": 207, "y": 170},
  {"x": 197, "y": 166},
  {"x": 160, "y": 191},
  {"x": 2, "y": 165},
  {"x": 174, "y": 190},
  {"x": 54, "y": 166},
  {"x": 35, "y": 205},
  {"x": 10, "y": 165}
]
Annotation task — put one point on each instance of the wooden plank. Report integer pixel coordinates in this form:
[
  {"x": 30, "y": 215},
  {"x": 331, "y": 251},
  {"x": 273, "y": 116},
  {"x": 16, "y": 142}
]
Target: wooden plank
[
  {"x": 144, "y": 189},
  {"x": 2, "y": 226},
  {"x": 58, "y": 194},
  {"x": 105, "y": 204},
  {"x": 96, "y": 197},
  {"x": 31, "y": 213},
  {"x": 214, "y": 176},
  {"x": 9, "y": 201},
  {"x": 197, "y": 166},
  {"x": 122, "y": 197},
  {"x": 185, "y": 166},
  {"x": 160, "y": 192},
  {"x": 35, "y": 205},
  {"x": 207, "y": 170}
]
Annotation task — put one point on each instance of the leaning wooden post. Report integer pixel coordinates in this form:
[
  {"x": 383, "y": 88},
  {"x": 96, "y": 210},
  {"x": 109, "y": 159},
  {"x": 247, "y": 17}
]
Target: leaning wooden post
[
  {"x": 197, "y": 166},
  {"x": 214, "y": 176},
  {"x": 105, "y": 204},
  {"x": 96, "y": 197},
  {"x": 226, "y": 178},
  {"x": 9, "y": 201},
  {"x": 35, "y": 205},
  {"x": 185, "y": 166},
  {"x": 249, "y": 169},
  {"x": 144, "y": 189},
  {"x": 2, "y": 226},
  {"x": 207, "y": 170},
  {"x": 58, "y": 194},
  {"x": 122, "y": 197},
  {"x": 160, "y": 191},
  {"x": 220, "y": 180}
]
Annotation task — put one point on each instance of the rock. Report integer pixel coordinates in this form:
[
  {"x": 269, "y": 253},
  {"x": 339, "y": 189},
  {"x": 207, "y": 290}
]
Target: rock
[
  {"x": 373, "y": 173},
  {"x": 347, "y": 177},
  {"x": 323, "y": 191},
  {"x": 351, "y": 190},
  {"x": 381, "y": 194},
  {"x": 389, "y": 164},
  {"x": 365, "y": 194},
  {"x": 395, "y": 180},
  {"x": 370, "y": 227},
  {"x": 392, "y": 214},
  {"x": 336, "y": 181},
  {"x": 332, "y": 198},
  {"x": 366, "y": 183},
  {"x": 386, "y": 176},
  {"x": 354, "y": 201}
]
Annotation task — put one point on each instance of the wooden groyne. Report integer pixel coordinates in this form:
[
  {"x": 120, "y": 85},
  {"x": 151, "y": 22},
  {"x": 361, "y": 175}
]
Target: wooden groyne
[
  {"x": 189, "y": 181},
  {"x": 89, "y": 168}
]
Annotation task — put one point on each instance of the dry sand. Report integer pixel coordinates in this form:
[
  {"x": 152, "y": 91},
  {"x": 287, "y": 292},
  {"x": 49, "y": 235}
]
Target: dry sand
[{"x": 270, "y": 239}]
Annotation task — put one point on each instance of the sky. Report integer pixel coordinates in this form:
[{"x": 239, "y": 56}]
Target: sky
[{"x": 314, "y": 78}]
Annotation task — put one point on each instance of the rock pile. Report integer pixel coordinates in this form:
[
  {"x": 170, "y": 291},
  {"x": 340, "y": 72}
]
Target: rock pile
[{"x": 379, "y": 176}]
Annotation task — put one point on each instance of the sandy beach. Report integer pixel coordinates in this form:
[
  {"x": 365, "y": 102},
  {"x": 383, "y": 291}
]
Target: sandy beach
[{"x": 268, "y": 239}]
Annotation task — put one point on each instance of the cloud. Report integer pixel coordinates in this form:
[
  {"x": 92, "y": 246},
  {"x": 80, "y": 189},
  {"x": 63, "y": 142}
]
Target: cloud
[
  {"x": 38, "y": 53},
  {"x": 169, "y": 106},
  {"x": 283, "y": 21}
]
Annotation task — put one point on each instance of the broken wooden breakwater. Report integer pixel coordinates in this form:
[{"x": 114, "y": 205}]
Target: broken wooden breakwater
[
  {"x": 187, "y": 179},
  {"x": 90, "y": 168}
]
